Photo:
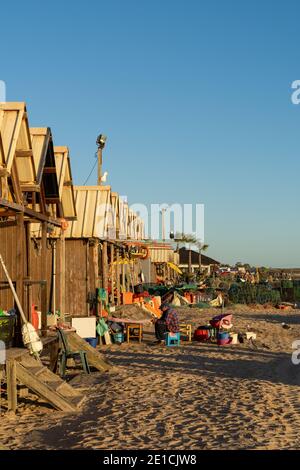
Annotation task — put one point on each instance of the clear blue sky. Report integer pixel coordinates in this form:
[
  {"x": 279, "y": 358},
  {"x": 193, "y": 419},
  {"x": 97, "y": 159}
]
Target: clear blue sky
[{"x": 194, "y": 97}]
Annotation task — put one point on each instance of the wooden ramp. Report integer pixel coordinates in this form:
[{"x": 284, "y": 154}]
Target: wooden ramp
[
  {"x": 95, "y": 359},
  {"x": 40, "y": 380}
]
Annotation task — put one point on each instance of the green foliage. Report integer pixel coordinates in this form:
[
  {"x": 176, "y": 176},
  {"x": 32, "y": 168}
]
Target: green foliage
[{"x": 253, "y": 294}]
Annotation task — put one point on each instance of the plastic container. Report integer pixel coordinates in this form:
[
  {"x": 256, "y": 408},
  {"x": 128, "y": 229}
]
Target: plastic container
[
  {"x": 7, "y": 328},
  {"x": 213, "y": 332},
  {"x": 118, "y": 337},
  {"x": 139, "y": 289},
  {"x": 201, "y": 334},
  {"x": 223, "y": 336},
  {"x": 127, "y": 298},
  {"x": 92, "y": 341},
  {"x": 34, "y": 317},
  {"x": 223, "y": 342},
  {"x": 234, "y": 338}
]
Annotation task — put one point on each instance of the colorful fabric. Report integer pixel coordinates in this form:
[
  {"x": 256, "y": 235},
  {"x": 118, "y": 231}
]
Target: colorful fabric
[{"x": 172, "y": 321}]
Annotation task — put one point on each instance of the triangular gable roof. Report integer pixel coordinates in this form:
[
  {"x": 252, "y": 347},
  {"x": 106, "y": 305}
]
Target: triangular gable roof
[
  {"x": 16, "y": 142},
  {"x": 40, "y": 138},
  {"x": 2, "y": 157},
  {"x": 140, "y": 229},
  {"x": 44, "y": 161},
  {"x": 123, "y": 218},
  {"x": 116, "y": 212},
  {"x": 94, "y": 215},
  {"x": 65, "y": 183}
]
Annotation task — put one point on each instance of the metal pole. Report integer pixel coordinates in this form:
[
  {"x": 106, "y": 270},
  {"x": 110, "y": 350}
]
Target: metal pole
[{"x": 99, "y": 165}]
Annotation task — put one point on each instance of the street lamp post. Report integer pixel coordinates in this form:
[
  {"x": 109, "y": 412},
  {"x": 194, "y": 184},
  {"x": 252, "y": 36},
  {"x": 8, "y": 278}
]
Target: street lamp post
[{"x": 101, "y": 140}]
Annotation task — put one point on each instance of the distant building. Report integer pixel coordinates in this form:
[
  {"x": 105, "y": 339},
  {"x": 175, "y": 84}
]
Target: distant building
[{"x": 207, "y": 264}]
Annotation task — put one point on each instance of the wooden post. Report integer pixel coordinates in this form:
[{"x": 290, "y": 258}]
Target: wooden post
[
  {"x": 28, "y": 269},
  {"x": 19, "y": 272},
  {"x": 87, "y": 277},
  {"x": 11, "y": 378},
  {"x": 112, "y": 271},
  {"x": 95, "y": 259},
  {"x": 62, "y": 275},
  {"x": 123, "y": 278},
  {"x": 104, "y": 265},
  {"x": 20, "y": 257},
  {"x": 118, "y": 277},
  {"x": 44, "y": 306}
]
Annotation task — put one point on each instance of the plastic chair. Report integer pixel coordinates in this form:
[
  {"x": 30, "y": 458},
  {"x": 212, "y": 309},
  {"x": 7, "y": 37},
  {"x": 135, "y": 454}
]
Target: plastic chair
[
  {"x": 172, "y": 339},
  {"x": 66, "y": 354}
]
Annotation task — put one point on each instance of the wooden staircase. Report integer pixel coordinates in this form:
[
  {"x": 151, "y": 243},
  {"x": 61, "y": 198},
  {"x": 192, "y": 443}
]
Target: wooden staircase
[{"x": 40, "y": 380}]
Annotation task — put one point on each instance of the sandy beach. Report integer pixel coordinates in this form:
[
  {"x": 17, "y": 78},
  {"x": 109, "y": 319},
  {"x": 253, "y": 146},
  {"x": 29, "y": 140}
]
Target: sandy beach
[{"x": 197, "y": 396}]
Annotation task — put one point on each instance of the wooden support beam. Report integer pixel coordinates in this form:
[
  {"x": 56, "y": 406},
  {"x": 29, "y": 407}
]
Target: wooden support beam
[
  {"x": 8, "y": 223},
  {"x": 112, "y": 273},
  {"x": 123, "y": 278},
  {"x": 7, "y": 213},
  {"x": 118, "y": 277},
  {"x": 16, "y": 184},
  {"x": 29, "y": 212},
  {"x": 49, "y": 170},
  {"x": 28, "y": 269},
  {"x": 104, "y": 266},
  {"x": 11, "y": 378},
  {"x": 44, "y": 306},
  {"x": 30, "y": 188},
  {"x": 3, "y": 172},
  {"x": 20, "y": 257},
  {"x": 87, "y": 269},
  {"x": 62, "y": 274},
  {"x": 23, "y": 153}
]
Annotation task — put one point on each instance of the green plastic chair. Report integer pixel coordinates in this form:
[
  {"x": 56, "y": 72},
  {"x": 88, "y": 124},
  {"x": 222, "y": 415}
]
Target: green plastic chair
[{"x": 66, "y": 354}]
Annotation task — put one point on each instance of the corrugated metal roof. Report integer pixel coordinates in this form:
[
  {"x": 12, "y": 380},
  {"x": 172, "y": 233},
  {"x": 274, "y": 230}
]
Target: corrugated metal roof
[
  {"x": 65, "y": 183},
  {"x": 93, "y": 216},
  {"x": 16, "y": 141},
  {"x": 162, "y": 253}
]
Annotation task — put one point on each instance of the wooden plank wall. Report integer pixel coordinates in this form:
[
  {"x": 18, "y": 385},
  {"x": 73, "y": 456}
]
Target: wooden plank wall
[
  {"x": 82, "y": 275},
  {"x": 77, "y": 282},
  {"x": 9, "y": 241}
]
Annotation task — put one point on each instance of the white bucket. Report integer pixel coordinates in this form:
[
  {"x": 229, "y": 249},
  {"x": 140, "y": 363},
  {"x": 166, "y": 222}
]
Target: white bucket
[{"x": 234, "y": 338}]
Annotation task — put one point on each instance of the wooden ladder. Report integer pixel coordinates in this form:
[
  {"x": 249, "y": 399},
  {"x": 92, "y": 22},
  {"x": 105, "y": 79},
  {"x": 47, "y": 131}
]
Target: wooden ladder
[{"x": 40, "y": 380}]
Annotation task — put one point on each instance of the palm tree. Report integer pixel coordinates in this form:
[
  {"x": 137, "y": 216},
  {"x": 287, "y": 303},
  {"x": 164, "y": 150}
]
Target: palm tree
[
  {"x": 184, "y": 239},
  {"x": 201, "y": 247}
]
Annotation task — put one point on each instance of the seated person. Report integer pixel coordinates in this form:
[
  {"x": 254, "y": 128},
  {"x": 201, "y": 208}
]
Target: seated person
[{"x": 169, "y": 322}]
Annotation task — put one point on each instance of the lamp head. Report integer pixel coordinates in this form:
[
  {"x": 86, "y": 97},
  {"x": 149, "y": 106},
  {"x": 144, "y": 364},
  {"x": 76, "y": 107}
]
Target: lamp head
[{"x": 101, "y": 140}]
